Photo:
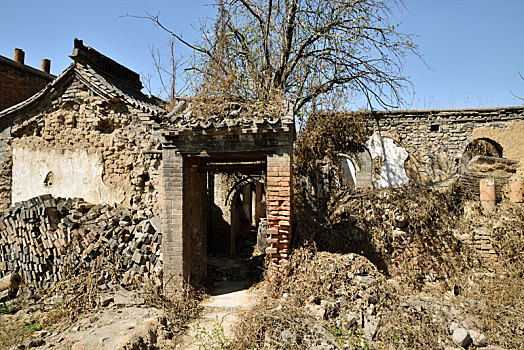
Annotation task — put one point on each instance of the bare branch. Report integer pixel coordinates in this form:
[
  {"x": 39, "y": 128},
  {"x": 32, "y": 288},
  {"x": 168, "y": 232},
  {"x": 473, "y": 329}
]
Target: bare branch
[{"x": 156, "y": 21}]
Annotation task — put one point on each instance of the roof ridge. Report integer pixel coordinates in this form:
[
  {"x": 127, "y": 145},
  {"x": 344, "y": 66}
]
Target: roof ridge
[{"x": 99, "y": 84}]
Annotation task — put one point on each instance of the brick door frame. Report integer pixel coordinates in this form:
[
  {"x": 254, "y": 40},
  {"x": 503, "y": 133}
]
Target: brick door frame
[{"x": 184, "y": 154}]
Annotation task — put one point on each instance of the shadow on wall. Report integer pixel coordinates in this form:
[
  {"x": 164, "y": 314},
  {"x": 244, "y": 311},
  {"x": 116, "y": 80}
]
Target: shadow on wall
[
  {"x": 480, "y": 147},
  {"x": 219, "y": 232},
  {"x": 313, "y": 197}
]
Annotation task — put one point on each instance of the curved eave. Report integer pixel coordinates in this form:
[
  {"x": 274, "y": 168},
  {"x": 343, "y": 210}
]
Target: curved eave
[
  {"x": 93, "y": 81},
  {"x": 182, "y": 121}
]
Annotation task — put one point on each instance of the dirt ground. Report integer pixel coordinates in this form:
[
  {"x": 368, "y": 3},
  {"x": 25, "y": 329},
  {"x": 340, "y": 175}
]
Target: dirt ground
[{"x": 326, "y": 299}]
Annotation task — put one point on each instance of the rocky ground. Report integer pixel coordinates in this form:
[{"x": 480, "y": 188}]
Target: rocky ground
[
  {"x": 325, "y": 300},
  {"x": 341, "y": 301},
  {"x": 132, "y": 318},
  {"x": 329, "y": 301}
]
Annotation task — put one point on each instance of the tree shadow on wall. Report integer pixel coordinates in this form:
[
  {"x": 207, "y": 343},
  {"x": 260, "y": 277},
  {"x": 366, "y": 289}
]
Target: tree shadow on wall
[
  {"x": 408, "y": 228},
  {"x": 343, "y": 236}
]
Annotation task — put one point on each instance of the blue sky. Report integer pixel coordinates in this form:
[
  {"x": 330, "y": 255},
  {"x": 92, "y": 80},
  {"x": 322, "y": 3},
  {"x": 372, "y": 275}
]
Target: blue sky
[{"x": 473, "y": 47}]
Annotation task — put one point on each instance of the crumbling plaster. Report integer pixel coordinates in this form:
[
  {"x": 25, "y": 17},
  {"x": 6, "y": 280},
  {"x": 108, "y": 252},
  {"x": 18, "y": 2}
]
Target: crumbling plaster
[
  {"x": 393, "y": 157},
  {"x": 61, "y": 173},
  {"x": 126, "y": 147},
  {"x": 511, "y": 138}
]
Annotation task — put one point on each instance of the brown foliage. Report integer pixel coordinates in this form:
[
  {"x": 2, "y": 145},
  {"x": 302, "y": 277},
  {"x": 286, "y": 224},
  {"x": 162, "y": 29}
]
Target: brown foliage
[
  {"x": 508, "y": 239},
  {"x": 325, "y": 134}
]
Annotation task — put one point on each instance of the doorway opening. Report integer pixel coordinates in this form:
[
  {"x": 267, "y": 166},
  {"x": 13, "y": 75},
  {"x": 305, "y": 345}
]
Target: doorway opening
[{"x": 237, "y": 229}]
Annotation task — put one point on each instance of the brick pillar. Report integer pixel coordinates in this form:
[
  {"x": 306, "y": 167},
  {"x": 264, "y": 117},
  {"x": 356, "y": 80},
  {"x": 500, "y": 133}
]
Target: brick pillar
[
  {"x": 172, "y": 220},
  {"x": 260, "y": 207},
  {"x": 195, "y": 221},
  {"x": 279, "y": 209}
]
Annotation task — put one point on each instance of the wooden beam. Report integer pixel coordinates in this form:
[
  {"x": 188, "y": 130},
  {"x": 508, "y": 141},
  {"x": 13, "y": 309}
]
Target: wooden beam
[{"x": 233, "y": 168}]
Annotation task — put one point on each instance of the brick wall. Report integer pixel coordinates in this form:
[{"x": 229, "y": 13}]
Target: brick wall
[
  {"x": 19, "y": 82},
  {"x": 279, "y": 192},
  {"x": 173, "y": 250}
]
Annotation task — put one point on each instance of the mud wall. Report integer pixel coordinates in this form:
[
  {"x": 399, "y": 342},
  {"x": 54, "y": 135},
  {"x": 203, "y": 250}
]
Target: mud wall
[{"x": 82, "y": 145}]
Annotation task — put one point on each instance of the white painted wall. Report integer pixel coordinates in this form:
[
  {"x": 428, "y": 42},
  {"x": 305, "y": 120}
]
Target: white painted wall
[
  {"x": 393, "y": 172},
  {"x": 349, "y": 171},
  {"x": 76, "y": 173}
]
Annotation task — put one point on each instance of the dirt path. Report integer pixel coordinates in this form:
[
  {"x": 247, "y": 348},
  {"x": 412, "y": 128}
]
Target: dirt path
[{"x": 221, "y": 313}]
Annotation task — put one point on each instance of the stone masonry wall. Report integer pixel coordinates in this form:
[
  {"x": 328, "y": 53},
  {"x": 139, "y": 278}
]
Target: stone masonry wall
[
  {"x": 436, "y": 139},
  {"x": 126, "y": 141}
]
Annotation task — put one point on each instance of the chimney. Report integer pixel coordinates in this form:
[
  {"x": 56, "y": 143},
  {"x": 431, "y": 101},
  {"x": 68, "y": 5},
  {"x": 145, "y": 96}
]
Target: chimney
[
  {"x": 46, "y": 65},
  {"x": 19, "y": 56}
]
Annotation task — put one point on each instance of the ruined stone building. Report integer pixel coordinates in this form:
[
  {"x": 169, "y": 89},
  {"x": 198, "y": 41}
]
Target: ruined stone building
[
  {"x": 92, "y": 134},
  {"x": 18, "y": 81},
  {"x": 217, "y": 174},
  {"x": 433, "y": 146}
]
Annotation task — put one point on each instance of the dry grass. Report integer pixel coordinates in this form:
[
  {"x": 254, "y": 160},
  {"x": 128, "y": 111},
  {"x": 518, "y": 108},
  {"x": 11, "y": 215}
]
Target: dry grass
[
  {"x": 325, "y": 135},
  {"x": 80, "y": 296},
  {"x": 179, "y": 306},
  {"x": 409, "y": 231},
  {"x": 16, "y": 329},
  {"x": 208, "y": 106},
  {"x": 410, "y": 318},
  {"x": 508, "y": 238},
  {"x": 421, "y": 279}
]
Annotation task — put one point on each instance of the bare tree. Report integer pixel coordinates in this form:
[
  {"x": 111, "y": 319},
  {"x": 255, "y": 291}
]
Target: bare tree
[
  {"x": 168, "y": 73},
  {"x": 520, "y": 98},
  {"x": 302, "y": 50}
]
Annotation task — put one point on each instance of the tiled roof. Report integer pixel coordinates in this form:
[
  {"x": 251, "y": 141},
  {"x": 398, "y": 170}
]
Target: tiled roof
[
  {"x": 184, "y": 120},
  {"x": 110, "y": 88},
  {"x": 98, "y": 80}
]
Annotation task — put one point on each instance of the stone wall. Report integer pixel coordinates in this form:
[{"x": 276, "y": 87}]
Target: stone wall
[
  {"x": 435, "y": 140},
  {"x": 119, "y": 145}
]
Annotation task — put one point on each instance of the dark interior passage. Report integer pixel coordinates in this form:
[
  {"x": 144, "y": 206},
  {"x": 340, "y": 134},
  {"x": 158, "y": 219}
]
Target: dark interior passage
[{"x": 236, "y": 233}]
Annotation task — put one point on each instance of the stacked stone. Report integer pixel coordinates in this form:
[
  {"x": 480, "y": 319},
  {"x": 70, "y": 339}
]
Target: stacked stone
[
  {"x": 438, "y": 138},
  {"x": 43, "y": 236},
  {"x": 279, "y": 208},
  {"x": 480, "y": 240}
]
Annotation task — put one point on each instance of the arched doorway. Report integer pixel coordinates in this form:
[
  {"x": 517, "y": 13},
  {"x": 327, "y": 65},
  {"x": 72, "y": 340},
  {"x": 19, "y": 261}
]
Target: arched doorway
[
  {"x": 247, "y": 202},
  {"x": 480, "y": 147},
  {"x": 357, "y": 168}
]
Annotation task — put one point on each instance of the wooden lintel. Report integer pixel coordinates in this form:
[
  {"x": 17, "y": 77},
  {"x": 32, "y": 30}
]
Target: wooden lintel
[{"x": 233, "y": 168}]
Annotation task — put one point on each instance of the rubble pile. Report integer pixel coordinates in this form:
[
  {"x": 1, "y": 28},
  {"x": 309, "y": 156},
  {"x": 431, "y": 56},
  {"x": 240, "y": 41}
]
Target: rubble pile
[
  {"x": 342, "y": 301},
  {"x": 43, "y": 236}
]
